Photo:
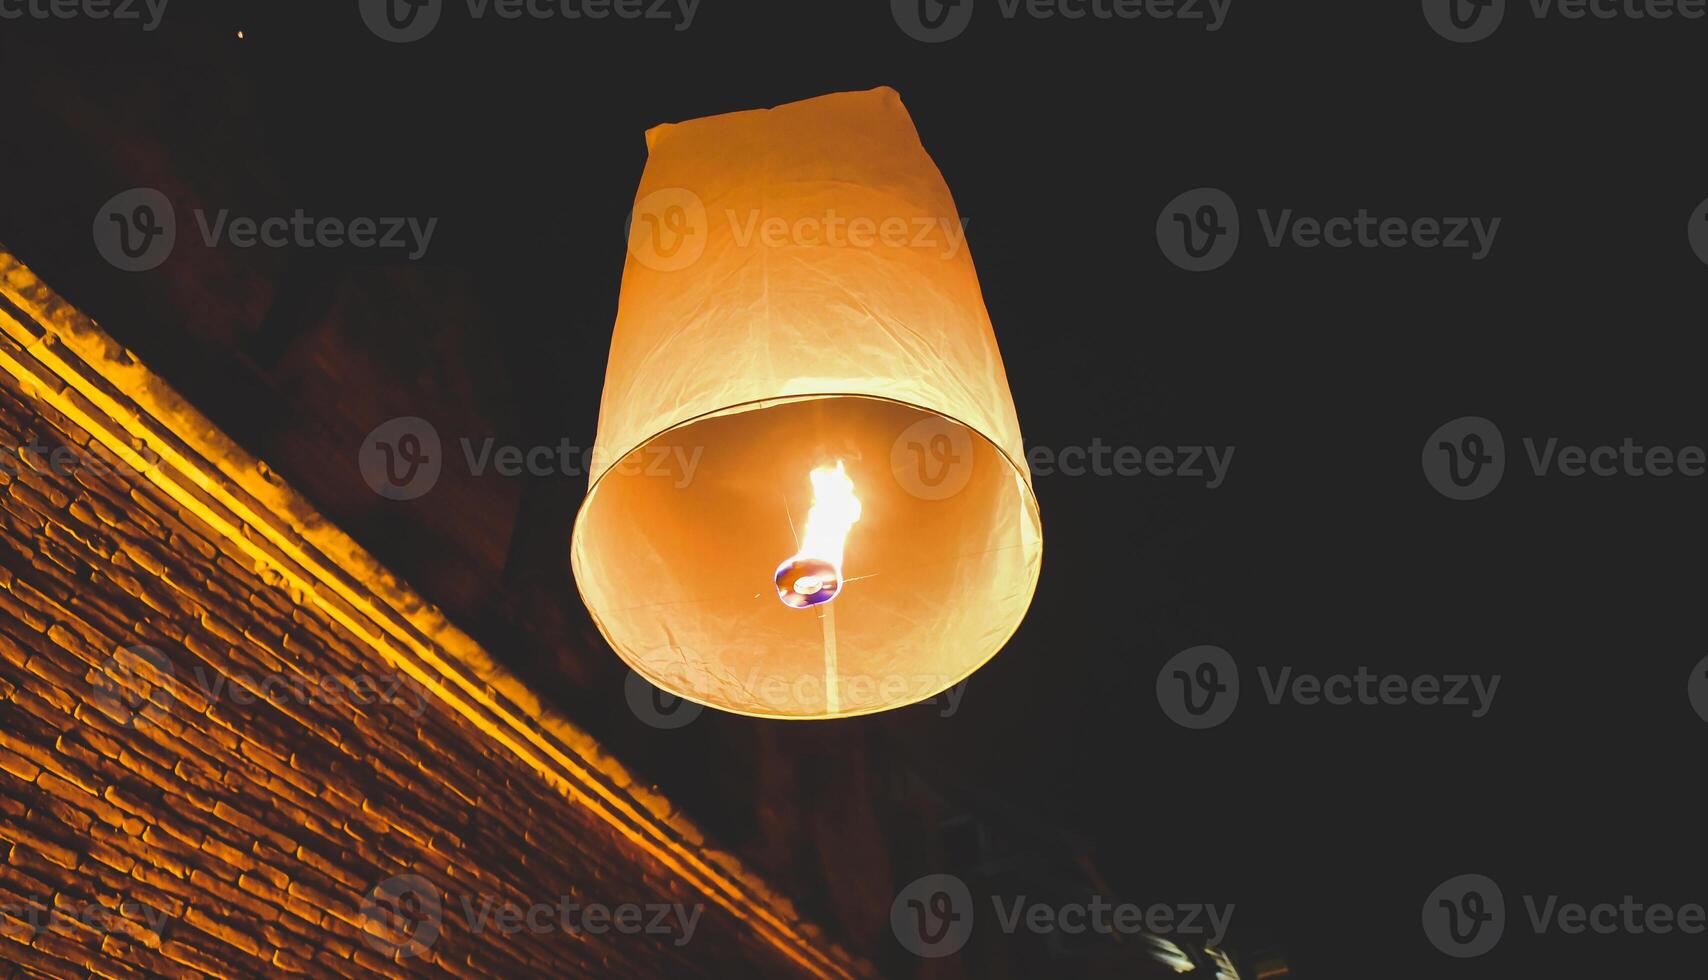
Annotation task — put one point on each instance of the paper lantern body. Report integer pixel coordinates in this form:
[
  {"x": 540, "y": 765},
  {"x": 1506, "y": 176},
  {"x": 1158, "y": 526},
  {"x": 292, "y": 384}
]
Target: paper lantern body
[{"x": 798, "y": 294}]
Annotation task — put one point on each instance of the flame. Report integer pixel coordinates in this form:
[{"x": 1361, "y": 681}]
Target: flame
[{"x": 834, "y": 511}]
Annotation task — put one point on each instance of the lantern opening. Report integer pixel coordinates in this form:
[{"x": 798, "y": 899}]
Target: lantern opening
[{"x": 937, "y": 571}]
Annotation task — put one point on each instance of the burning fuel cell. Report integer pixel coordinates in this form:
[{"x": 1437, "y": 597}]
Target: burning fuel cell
[
  {"x": 803, "y": 582},
  {"x": 813, "y": 576}
]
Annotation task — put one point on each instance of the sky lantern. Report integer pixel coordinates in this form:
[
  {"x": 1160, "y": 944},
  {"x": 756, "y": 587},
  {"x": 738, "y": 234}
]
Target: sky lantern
[{"x": 809, "y": 496}]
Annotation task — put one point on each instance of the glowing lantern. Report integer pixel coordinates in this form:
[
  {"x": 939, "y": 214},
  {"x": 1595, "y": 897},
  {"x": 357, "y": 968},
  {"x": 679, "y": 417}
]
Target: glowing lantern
[{"x": 804, "y": 403}]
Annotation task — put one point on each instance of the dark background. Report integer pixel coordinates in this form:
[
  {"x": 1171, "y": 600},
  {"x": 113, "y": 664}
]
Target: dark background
[{"x": 1061, "y": 140}]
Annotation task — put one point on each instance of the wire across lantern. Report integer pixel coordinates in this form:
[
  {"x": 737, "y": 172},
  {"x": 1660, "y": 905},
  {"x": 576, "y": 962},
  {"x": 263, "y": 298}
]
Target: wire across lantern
[{"x": 804, "y": 384}]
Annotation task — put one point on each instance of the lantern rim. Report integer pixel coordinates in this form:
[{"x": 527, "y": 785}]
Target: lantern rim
[
  {"x": 754, "y": 404},
  {"x": 1029, "y": 498}
]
